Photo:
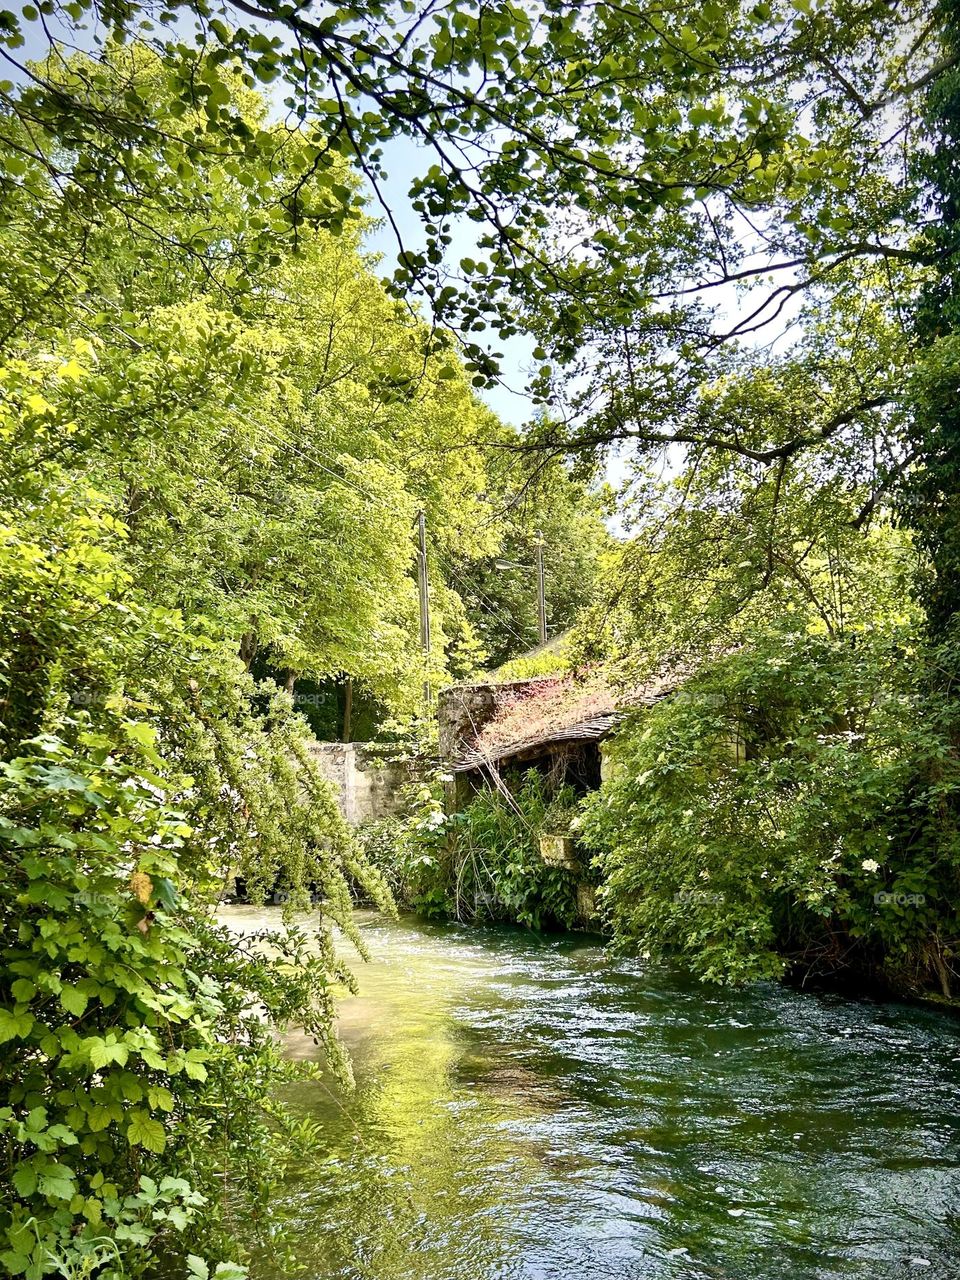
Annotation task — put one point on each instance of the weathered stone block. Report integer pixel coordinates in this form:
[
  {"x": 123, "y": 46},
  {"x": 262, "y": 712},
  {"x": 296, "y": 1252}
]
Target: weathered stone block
[{"x": 558, "y": 851}]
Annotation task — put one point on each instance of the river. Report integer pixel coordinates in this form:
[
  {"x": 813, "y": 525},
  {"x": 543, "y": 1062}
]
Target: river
[{"x": 534, "y": 1108}]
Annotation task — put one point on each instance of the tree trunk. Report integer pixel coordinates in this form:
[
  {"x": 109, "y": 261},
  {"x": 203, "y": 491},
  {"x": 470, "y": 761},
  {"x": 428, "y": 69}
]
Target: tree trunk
[{"x": 248, "y": 648}]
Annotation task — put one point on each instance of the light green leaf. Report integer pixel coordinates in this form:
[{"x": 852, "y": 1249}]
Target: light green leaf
[
  {"x": 74, "y": 1001},
  {"x": 25, "y": 1180},
  {"x": 146, "y": 1132},
  {"x": 14, "y": 1026}
]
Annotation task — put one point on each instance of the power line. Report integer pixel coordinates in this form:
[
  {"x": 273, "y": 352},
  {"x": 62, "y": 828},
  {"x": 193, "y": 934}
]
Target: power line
[{"x": 484, "y": 599}]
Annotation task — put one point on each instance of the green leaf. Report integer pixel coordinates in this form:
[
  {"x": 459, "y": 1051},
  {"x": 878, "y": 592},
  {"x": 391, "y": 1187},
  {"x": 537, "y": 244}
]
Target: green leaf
[
  {"x": 146, "y": 1132},
  {"x": 99, "y": 1119},
  {"x": 73, "y": 1001},
  {"x": 25, "y": 1180},
  {"x": 101, "y": 1053},
  {"x": 165, "y": 893},
  {"x": 14, "y": 1026},
  {"x": 59, "y": 1185},
  {"x": 141, "y": 732}
]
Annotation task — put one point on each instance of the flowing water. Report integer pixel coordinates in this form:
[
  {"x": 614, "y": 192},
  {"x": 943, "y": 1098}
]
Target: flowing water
[{"x": 532, "y": 1107}]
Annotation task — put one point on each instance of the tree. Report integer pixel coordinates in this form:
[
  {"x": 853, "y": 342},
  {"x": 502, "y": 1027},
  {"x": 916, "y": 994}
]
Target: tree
[
  {"x": 565, "y": 517},
  {"x": 762, "y": 820},
  {"x": 927, "y": 501},
  {"x": 188, "y": 476},
  {"x": 135, "y": 773},
  {"x": 622, "y": 163},
  {"x": 266, "y": 420}
]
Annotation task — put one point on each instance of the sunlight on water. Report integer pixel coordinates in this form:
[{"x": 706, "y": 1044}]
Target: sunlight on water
[{"x": 534, "y": 1108}]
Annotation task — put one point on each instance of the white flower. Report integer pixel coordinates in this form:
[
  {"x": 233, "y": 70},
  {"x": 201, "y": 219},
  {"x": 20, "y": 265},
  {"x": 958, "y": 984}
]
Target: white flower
[{"x": 870, "y": 864}]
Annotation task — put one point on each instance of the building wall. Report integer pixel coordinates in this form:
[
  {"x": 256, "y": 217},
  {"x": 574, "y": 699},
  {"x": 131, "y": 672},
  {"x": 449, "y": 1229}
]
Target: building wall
[
  {"x": 366, "y": 782},
  {"x": 464, "y": 709}
]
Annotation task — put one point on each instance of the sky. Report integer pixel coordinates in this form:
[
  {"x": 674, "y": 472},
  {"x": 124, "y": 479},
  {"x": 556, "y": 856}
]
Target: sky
[{"x": 404, "y": 160}]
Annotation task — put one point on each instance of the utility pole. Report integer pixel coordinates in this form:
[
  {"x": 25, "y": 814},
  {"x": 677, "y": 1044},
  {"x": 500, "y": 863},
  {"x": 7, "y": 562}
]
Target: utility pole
[
  {"x": 541, "y": 597},
  {"x": 424, "y": 599}
]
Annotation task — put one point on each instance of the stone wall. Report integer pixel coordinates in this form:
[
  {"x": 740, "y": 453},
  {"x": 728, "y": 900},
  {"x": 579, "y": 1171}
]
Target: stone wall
[
  {"x": 366, "y": 781},
  {"x": 463, "y": 710}
]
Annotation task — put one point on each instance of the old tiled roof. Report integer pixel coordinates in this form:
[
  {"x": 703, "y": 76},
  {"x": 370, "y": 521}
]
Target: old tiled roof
[{"x": 557, "y": 709}]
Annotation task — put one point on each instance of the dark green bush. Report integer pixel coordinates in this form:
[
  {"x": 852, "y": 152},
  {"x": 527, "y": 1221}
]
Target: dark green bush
[
  {"x": 818, "y": 850},
  {"x": 497, "y": 870}
]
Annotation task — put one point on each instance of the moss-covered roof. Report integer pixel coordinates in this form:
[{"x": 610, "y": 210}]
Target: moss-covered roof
[{"x": 555, "y": 709}]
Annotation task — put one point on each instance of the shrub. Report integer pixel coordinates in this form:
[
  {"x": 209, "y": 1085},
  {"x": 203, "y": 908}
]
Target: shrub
[
  {"x": 748, "y": 867},
  {"x": 139, "y": 767},
  {"x": 497, "y": 870}
]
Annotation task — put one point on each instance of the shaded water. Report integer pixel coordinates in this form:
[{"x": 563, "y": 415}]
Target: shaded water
[{"x": 535, "y": 1109}]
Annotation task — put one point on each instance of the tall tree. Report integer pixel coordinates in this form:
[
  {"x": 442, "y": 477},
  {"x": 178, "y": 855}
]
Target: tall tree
[
  {"x": 198, "y": 463},
  {"x": 929, "y": 502},
  {"x": 625, "y": 163}
]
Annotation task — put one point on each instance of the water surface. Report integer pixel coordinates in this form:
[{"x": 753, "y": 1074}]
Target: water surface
[{"x": 534, "y": 1108}]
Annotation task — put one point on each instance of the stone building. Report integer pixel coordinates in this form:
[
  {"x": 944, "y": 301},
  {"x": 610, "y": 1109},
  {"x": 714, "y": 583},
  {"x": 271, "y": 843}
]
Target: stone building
[{"x": 555, "y": 723}]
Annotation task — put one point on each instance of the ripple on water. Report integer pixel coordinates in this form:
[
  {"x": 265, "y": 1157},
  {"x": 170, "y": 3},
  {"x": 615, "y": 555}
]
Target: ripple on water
[{"x": 533, "y": 1108}]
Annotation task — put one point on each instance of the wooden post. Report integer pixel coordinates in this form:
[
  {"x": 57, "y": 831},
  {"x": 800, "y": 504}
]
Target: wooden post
[
  {"x": 424, "y": 600},
  {"x": 541, "y": 596}
]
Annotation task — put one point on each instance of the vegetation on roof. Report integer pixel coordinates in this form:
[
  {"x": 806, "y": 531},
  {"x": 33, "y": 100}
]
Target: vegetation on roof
[{"x": 545, "y": 709}]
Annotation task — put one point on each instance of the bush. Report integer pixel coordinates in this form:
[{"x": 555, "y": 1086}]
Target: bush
[
  {"x": 483, "y": 863},
  {"x": 497, "y": 871},
  {"x": 139, "y": 767},
  {"x": 815, "y": 852},
  {"x": 412, "y": 852}
]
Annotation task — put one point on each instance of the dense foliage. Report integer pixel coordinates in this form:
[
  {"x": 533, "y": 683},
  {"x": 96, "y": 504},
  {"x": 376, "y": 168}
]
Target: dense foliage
[
  {"x": 550, "y": 508},
  {"x": 181, "y": 503},
  {"x": 764, "y": 817},
  {"x": 482, "y": 863},
  {"x": 928, "y": 500},
  {"x": 218, "y": 428},
  {"x": 611, "y": 158},
  {"x": 140, "y": 769}
]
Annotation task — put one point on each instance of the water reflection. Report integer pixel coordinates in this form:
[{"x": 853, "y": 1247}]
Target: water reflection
[{"x": 534, "y": 1108}]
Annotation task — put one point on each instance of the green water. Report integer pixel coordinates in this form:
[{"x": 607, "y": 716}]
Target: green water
[{"x": 533, "y": 1108}]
